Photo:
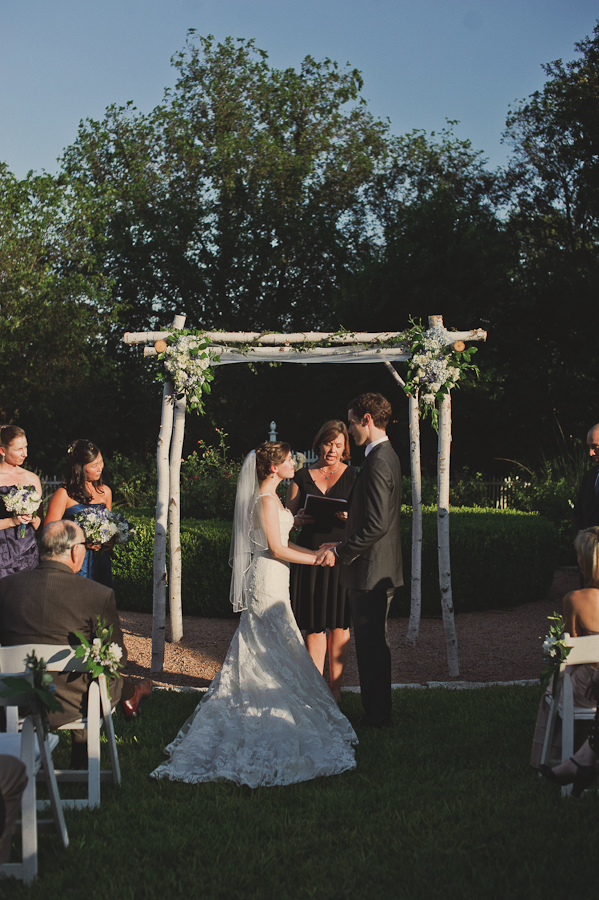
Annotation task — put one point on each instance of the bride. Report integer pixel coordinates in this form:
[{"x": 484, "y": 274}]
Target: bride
[{"x": 268, "y": 718}]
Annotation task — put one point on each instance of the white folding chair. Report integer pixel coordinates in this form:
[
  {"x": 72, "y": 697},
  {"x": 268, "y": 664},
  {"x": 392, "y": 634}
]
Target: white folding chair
[
  {"x": 36, "y": 755},
  {"x": 561, "y": 703},
  {"x": 61, "y": 658}
]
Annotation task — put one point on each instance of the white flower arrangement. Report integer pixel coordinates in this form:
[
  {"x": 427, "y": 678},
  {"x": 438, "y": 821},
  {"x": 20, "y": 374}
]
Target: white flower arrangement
[
  {"x": 435, "y": 366},
  {"x": 24, "y": 501},
  {"x": 555, "y": 651},
  {"x": 188, "y": 359},
  {"x": 102, "y": 656}
]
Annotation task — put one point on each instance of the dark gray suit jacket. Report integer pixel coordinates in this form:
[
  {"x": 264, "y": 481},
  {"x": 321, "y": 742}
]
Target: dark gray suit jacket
[
  {"x": 371, "y": 552},
  {"x": 586, "y": 508},
  {"x": 46, "y": 605}
]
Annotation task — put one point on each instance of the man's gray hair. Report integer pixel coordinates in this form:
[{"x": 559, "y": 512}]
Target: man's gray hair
[{"x": 58, "y": 538}]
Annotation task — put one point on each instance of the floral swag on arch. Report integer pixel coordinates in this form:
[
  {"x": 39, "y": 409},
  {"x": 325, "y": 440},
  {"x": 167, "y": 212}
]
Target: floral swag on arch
[
  {"x": 186, "y": 360},
  {"x": 436, "y": 360}
]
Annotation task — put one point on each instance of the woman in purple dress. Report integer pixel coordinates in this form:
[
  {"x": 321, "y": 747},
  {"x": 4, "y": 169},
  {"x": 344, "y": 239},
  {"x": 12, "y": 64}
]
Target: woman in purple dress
[
  {"x": 83, "y": 489},
  {"x": 17, "y": 552}
]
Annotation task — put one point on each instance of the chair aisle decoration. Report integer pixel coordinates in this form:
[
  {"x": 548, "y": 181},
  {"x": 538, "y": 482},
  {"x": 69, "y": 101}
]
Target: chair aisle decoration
[{"x": 62, "y": 658}]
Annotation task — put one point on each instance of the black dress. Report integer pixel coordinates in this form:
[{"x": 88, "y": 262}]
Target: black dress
[{"x": 317, "y": 599}]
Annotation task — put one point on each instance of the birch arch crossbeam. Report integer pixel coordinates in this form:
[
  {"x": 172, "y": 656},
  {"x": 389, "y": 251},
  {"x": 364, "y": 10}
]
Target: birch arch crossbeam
[{"x": 346, "y": 348}]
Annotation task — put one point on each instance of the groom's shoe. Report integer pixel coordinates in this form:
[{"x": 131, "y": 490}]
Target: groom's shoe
[
  {"x": 131, "y": 706},
  {"x": 370, "y": 722}
]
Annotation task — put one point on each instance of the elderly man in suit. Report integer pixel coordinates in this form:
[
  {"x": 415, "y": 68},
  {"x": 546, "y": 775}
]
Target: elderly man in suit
[
  {"x": 46, "y": 605},
  {"x": 370, "y": 555},
  {"x": 586, "y": 508}
]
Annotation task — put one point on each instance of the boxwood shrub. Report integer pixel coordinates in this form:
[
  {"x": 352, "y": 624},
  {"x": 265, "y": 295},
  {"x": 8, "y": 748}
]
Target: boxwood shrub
[
  {"x": 205, "y": 567},
  {"x": 498, "y": 558}
]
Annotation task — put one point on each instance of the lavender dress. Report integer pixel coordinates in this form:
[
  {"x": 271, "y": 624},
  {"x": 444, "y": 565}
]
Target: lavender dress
[{"x": 16, "y": 553}]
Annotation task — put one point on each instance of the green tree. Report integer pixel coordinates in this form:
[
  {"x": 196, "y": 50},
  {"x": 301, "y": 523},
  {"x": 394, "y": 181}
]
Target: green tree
[
  {"x": 550, "y": 319},
  {"x": 240, "y": 200},
  {"x": 52, "y": 298}
]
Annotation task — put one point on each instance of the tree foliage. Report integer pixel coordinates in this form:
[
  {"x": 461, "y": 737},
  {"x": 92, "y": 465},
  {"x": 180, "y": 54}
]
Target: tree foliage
[
  {"x": 52, "y": 298},
  {"x": 241, "y": 199}
]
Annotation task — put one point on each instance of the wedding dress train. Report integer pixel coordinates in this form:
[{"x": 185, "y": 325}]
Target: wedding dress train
[{"x": 268, "y": 717}]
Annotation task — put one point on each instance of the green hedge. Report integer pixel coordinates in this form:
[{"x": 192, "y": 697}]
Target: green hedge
[
  {"x": 498, "y": 558},
  {"x": 205, "y": 568}
]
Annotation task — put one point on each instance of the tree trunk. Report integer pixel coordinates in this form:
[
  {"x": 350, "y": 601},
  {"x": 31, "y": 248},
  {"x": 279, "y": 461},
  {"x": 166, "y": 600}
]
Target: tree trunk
[
  {"x": 416, "y": 593},
  {"x": 174, "y": 520},
  {"x": 444, "y": 447},
  {"x": 162, "y": 502}
]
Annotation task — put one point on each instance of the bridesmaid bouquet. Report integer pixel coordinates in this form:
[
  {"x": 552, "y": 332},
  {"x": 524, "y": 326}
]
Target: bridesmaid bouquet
[
  {"x": 24, "y": 501},
  {"x": 101, "y": 525}
]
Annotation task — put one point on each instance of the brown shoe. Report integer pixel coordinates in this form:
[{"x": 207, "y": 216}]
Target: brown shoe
[{"x": 131, "y": 707}]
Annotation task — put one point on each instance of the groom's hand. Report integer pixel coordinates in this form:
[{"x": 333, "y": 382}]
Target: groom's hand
[{"x": 329, "y": 558}]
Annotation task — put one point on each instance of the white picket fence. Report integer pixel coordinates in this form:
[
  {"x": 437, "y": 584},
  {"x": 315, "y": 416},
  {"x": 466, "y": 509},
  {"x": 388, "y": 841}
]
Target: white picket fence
[{"x": 49, "y": 485}]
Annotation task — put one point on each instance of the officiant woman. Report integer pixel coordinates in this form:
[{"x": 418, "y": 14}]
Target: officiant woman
[
  {"x": 320, "y": 604},
  {"x": 17, "y": 553}
]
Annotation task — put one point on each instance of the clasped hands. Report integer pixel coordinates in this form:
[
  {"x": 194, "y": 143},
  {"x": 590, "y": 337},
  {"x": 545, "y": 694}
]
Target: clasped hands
[{"x": 325, "y": 555}]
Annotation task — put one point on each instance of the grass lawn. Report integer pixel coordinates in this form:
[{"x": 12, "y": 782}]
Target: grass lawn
[{"x": 444, "y": 805}]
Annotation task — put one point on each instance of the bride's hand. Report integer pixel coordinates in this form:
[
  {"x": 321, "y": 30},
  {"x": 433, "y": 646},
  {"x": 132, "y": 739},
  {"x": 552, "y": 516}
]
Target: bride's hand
[{"x": 325, "y": 557}]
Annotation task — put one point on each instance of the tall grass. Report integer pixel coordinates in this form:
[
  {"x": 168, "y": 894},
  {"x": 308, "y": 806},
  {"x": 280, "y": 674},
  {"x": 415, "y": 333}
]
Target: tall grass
[{"x": 443, "y": 805}]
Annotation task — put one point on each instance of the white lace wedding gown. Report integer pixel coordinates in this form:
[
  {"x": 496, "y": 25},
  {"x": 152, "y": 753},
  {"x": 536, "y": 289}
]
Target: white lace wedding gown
[{"x": 268, "y": 717}]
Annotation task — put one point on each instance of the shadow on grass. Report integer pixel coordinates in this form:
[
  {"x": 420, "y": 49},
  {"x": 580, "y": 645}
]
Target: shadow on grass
[{"x": 442, "y": 805}]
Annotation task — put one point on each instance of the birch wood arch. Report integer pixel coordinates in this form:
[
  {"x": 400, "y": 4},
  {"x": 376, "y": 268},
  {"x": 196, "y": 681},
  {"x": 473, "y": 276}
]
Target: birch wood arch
[{"x": 244, "y": 347}]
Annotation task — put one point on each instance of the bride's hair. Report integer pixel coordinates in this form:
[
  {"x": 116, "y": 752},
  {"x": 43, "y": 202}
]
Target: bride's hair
[
  {"x": 270, "y": 453},
  {"x": 80, "y": 453}
]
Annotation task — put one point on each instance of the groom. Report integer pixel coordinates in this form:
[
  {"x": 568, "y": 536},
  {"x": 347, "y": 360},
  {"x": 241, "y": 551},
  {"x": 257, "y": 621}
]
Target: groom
[{"x": 370, "y": 554}]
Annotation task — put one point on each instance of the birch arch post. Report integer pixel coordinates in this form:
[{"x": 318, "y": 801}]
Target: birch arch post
[{"x": 243, "y": 347}]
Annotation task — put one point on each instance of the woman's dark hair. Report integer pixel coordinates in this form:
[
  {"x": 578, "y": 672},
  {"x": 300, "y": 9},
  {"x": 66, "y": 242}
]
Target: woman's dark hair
[
  {"x": 270, "y": 453},
  {"x": 8, "y": 434},
  {"x": 79, "y": 454},
  {"x": 586, "y": 544},
  {"x": 329, "y": 431}
]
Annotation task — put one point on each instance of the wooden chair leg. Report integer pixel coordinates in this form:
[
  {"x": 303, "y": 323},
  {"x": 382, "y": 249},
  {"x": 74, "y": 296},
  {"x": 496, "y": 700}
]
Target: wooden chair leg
[
  {"x": 52, "y": 785},
  {"x": 93, "y": 744},
  {"x": 28, "y": 804},
  {"x": 109, "y": 726}
]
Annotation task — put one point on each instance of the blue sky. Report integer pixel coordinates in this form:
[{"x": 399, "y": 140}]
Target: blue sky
[{"x": 422, "y": 60}]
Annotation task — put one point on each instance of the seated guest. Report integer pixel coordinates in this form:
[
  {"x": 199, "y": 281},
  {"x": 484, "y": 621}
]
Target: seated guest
[
  {"x": 46, "y": 605},
  {"x": 581, "y": 615}
]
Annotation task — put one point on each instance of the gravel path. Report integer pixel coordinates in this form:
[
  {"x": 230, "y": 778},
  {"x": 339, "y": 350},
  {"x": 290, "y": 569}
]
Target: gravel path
[{"x": 499, "y": 645}]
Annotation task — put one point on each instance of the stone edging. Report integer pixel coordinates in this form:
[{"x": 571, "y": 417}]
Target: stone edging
[{"x": 450, "y": 685}]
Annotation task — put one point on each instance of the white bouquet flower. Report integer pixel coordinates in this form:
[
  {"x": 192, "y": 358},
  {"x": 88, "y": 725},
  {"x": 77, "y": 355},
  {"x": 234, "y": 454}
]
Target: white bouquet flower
[{"x": 24, "y": 501}]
